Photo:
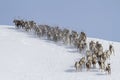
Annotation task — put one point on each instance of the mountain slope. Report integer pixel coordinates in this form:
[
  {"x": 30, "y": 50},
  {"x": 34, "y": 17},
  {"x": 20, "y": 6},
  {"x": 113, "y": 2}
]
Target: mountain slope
[{"x": 23, "y": 56}]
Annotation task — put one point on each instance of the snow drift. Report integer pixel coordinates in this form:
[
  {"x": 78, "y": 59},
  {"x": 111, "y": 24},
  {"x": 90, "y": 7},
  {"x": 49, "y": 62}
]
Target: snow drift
[{"x": 23, "y": 56}]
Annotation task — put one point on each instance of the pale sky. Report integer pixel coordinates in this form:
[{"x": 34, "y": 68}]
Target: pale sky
[{"x": 98, "y": 18}]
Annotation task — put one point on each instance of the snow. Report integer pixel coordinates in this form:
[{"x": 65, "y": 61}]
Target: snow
[{"x": 23, "y": 56}]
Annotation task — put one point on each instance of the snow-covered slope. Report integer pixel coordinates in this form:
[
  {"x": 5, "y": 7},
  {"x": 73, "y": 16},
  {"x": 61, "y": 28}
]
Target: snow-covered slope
[{"x": 23, "y": 56}]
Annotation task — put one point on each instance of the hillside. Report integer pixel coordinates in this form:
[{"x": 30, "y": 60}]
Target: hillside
[{"x": 23, "y": 56}]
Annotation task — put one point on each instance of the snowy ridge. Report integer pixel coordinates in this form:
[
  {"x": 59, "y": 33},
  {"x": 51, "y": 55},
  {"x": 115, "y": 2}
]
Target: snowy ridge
[{"x": 26, "y": 57}]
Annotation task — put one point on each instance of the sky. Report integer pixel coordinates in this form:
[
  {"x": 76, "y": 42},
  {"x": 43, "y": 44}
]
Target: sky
[{"x": 98, "y": 18}]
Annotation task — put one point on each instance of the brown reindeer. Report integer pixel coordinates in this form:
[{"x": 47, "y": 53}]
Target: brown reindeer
[
  {"x": 111, "y": 48},
  {"x": 101, "y": 63},
  {"x": 94, "y": 60},
  {"x": 78, "y": 66},
  {"x": 108, "y": 69},
  {"x": 88, "y": 65}
]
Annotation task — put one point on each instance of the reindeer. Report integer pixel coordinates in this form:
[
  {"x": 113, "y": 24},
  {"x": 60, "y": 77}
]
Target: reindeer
[
  {"x": 94, "y": 60},
  {"x": 101, "y": 63},
  {"x": 92, "y": 46},
  {"x": 108, "y": 69},
  {"x": 111, "y": 49},
  {"x": 78, "y": 66},
  {"x": 88, "y": 65},
  {"x": 73, "y": 36},
  {"x": 18, "y": 23},
  {"x": 83, "y": 36},
  {"x": 82, "y": 60}
]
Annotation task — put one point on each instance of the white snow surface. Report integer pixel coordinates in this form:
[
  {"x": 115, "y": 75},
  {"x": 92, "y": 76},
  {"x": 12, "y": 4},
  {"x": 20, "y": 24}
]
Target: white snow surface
[{"x": 23, "y": 56}]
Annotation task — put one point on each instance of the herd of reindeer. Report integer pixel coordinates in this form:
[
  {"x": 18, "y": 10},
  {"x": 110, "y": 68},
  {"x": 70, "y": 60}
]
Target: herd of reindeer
[{"x": 94, "y": 53}]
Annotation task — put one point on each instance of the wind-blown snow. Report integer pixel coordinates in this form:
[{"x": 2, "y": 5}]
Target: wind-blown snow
[{"x": 23, "y": 56}]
